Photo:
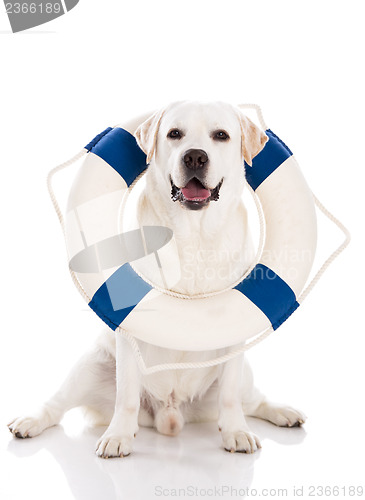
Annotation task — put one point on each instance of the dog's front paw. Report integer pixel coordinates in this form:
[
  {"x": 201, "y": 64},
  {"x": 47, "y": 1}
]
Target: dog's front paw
[
  {"x": 110, "y": 446},
  {"x": 242, "y": 441},
  {"x": 27, "y": 427}
]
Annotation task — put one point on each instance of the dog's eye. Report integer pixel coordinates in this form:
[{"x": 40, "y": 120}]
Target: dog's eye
[
  {"x": 175, "y": 133},
  {"x": 220, "y": 135}
]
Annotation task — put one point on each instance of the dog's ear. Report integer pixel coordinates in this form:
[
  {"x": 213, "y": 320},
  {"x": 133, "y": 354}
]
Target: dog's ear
[
  {"x": 253, "y": 138},
  {"x": 146, "y": 134}
]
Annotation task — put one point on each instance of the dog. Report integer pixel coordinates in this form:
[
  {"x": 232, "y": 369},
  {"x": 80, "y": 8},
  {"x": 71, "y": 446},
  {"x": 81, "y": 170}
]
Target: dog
[{"x": 194, "y": 185}]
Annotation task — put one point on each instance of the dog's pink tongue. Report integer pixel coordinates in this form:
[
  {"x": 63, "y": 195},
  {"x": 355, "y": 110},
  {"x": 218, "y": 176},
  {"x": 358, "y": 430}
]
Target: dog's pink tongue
[{"x": 194, "y": 190}]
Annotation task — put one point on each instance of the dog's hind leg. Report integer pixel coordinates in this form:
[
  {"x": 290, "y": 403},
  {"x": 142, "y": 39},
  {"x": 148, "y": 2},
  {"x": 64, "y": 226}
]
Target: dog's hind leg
[
  {"x": 255, "y": 404},
  {"x": 91, "y": 383}
]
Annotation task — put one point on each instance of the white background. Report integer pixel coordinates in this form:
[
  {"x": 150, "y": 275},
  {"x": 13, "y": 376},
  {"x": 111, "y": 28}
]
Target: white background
[{"x": 105, "y": 61}]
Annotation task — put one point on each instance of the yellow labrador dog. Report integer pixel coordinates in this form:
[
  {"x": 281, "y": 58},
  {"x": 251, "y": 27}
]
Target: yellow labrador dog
[{"x": 194, "y": 186}]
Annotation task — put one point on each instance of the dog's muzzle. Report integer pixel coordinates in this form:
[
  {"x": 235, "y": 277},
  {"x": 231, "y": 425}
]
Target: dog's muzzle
[{"x": 194, "y": 195}]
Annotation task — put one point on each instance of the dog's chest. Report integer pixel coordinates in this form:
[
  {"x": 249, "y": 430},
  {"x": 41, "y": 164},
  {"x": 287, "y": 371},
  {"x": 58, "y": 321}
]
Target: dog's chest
[
  {"x": 186, "y": 385},
  {"x": 210, "y": 264},
  {"x": 195, "y": 262}
]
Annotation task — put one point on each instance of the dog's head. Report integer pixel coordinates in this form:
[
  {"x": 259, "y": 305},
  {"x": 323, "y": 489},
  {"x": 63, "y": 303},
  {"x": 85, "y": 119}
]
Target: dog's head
[{"x": 197, "y": 151}]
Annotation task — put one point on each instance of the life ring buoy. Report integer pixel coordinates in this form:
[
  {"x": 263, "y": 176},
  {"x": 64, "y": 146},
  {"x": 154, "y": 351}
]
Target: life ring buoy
[{"x": 122, "y": 298}]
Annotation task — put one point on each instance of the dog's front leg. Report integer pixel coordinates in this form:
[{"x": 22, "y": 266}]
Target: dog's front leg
[
  {"x": 236, "y": 434},
  {"x": 117, "y": 439}
]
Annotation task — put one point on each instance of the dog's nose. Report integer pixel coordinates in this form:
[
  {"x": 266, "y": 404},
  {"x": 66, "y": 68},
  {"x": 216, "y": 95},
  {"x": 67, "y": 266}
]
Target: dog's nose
[{"x": 195, "y": 158}]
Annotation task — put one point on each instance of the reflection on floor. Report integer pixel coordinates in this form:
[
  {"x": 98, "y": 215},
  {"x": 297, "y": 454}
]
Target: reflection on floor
[{"x": 159, "y": 464}]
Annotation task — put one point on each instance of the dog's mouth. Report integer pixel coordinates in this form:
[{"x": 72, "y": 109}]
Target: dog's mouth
[{"x": 194, "y": 195}]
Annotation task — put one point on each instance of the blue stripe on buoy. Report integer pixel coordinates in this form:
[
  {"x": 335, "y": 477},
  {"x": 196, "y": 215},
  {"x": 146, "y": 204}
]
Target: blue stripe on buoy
[
  {"x": 269, "y": 293},
  {"x": 97, "y": 139},
  {"x": 119, "y": 295},
  {"x": 269, "y": 159},
  {"x": 120, "y": 150}
]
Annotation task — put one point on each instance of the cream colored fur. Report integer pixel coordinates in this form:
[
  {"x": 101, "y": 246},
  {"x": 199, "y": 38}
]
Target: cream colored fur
[{"x": 214, "y": 247}]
